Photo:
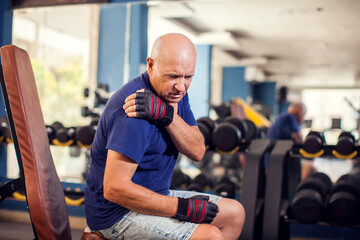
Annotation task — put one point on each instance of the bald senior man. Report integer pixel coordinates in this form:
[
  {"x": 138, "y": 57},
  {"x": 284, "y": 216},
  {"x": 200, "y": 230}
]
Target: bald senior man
[
  {"x": 144, "y": 126},
  {"x": 287, "y": 125}
]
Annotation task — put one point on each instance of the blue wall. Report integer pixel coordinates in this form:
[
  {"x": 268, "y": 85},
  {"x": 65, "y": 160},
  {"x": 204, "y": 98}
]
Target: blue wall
[
  {"x": 139, "y": 39},
  {"x": 234, "y": 84},
  {"x": 112, "y": 45},
  {"x": 199, "y": 91},
  {"x": 265, "y": 92}
]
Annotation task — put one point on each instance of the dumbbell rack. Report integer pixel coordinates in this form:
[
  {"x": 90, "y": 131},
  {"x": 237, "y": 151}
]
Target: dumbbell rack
[
  {"x": 252, "y": 196},
  {"x": 253, "y": 185},
  {"x": 284, "y": 167},
  {"x": 74, "y": 192}
]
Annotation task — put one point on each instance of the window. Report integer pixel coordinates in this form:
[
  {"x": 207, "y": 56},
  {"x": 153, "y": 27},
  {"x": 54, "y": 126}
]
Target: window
[{"x": 62, "y": 45}]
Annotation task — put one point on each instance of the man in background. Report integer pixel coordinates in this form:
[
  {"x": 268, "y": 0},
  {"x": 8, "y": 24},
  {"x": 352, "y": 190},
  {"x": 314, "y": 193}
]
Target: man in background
[{"x": 287, "y": 126}]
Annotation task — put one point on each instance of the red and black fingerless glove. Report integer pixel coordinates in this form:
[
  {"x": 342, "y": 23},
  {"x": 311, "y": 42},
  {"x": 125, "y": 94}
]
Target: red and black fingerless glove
[
  {"x": 196, "y": 209},
  {"x": 150, "y": 106}
]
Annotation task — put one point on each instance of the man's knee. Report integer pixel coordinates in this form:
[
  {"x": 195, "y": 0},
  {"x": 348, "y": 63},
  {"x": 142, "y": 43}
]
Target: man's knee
[
  {"x": 238, "y": 212},
  {"x": 233, "y": 210},
  {"x": 208, "y": 232}
]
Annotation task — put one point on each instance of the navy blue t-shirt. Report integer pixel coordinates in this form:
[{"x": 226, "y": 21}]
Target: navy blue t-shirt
[
  {"x": 144, "y": 142},
  {"x": 284, "y": 125}
]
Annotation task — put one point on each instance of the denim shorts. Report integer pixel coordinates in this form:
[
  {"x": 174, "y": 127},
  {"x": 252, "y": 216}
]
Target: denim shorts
[{"x": 140, "y": 226}]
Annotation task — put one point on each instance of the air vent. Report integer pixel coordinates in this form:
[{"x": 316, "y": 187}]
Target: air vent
[
  {"x": 190, "y": 24},
  {"x": 236, "y": 54},
  {"x": 238, "y": 34}
]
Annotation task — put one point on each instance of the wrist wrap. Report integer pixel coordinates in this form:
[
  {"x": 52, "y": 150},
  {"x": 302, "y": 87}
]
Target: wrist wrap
[
  {"x": 149, "y": 106},
  {"x": 196, "y": 209}
]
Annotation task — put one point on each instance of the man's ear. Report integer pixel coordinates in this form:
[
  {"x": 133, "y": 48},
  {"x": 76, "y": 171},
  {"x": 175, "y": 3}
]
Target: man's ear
[{"x": 150, "y": 63}]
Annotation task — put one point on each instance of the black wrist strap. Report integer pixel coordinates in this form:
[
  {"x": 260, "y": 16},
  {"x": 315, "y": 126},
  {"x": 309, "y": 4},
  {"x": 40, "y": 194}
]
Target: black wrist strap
[{"x": 168, "y": 116}]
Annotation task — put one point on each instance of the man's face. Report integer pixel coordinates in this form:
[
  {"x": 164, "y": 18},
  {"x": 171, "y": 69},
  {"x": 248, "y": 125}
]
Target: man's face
[
  {"x": 300, "y": 116},
  {"x": 171, "y": 77}
]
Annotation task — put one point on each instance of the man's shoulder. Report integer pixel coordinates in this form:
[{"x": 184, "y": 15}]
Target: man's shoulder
[
  {"x": 137, "y": 83},
  {"x": 285, "y": 116}
]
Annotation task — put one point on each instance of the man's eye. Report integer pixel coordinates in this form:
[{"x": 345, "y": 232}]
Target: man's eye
[{"x": 174, "y": 76}]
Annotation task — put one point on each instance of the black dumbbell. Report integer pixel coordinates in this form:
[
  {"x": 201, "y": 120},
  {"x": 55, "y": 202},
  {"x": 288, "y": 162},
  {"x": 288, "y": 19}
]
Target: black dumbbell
[
  {"x": 252, "y": 131},
  {"x": 86, "y": 92},
  {"x": 51, "y": 130},
  {"x": 179, "y": 180},
  {"x": 5, "y": 130},
  {"x": 103, "y": 86},
  {"x": 344, "y": 199},
  {"x": 226, "y": 188},
  {"x": 85, "y": 135},
  {"x": 65, "y": 136},
  {"x": 223, "y": 110},
  {"x": 200, "y": 183},
  {"x": 86, "y": 112},
  {"x": 101, "y": 97},
  {"x": 345, "y": 144},
  {"x": 206, "y": 126},
  {"x": 314, "y": 142},
  {"x": 308, "y": 204},
  {"x": 229, "y": 134}
]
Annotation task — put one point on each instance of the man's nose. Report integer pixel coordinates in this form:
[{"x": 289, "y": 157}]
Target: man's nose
[{"x": 180, "y": 84}]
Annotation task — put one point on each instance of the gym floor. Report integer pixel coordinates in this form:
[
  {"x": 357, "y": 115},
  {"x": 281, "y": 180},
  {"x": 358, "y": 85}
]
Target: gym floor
[
  {"x": 23, "y": 231},
  {"x": 16, "y": 225}
]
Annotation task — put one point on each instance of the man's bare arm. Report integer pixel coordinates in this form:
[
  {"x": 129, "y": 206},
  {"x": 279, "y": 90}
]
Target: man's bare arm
[
  {"x": 119, "y": 189},
  {"x": 297, "y": 137},
  {"x": 188, "y": 139}
]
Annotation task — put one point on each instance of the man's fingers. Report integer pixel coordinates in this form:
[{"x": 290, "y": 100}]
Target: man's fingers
[
  {"x": 130, "y": 97},
  {"x": 130, "y": 109},
  {"x": 129, "y": 104},
  {"x": 132, "y": 114},
  {"x": 133, "y": 96}
]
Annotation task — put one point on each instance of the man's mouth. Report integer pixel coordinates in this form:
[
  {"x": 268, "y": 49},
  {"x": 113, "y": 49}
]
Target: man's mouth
[{"x": 176, "y": 95}]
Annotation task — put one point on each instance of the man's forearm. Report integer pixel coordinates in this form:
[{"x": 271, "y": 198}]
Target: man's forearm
[
  {"x": 142, "y": 200},
  {"x": 188, "y": 139},
  {"x": 118, "y": 188},
  {"x": 297, "y": 137}
]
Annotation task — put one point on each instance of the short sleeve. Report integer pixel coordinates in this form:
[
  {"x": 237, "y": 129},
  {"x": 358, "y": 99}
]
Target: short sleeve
[
  {"x": 128, "y": 136},
  {"x": 293, "y": 124}
]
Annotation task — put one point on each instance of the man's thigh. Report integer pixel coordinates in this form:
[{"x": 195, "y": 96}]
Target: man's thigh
[{"x": 141, "y": 226}]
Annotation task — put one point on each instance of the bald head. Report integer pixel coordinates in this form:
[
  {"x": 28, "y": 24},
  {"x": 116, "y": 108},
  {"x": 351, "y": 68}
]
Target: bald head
[
  {"x": 171, "y": 66},
  {"x": 173, "y": 43},
  {"x": 298, "y": 110}
]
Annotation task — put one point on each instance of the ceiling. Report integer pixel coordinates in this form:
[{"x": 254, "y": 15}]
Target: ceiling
[{"x": 301, "y": 44}]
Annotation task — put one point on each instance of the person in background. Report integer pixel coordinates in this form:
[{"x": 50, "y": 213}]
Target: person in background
[
  {"x": 143, "y": 128},
  {"x": 287, "y": 126}
]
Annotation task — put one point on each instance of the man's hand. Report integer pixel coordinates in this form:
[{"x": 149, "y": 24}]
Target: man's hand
[
  {"x": 144, "y": 104},
  {"x": 197, "y": 209}
]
